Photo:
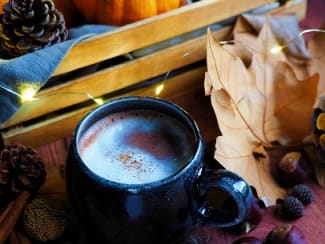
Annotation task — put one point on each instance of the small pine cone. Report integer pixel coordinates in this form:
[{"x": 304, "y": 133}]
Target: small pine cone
[
  {"x": 292, "y": 208},
  {"x": 303, "y": 193},
  {"x": 21, "y": 169},
  {"x": 28, "y": 25}
]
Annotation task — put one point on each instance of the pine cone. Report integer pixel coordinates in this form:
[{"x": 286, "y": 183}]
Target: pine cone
[
  {"x": 21, "y": 169},
  {"x": 29, "y": 25}
]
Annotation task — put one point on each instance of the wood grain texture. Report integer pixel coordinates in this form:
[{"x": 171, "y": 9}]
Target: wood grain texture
[
  {"x": 55, "y": 114},
  {"x": 117, "y": 77},
  {"x": 114, "y": 78},
  {"x": 63, "y": 125},
  {"x": 153, "y": 30}
]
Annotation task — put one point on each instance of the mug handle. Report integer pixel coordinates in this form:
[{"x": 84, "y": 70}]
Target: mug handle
[{"x": 222, "y": 198}]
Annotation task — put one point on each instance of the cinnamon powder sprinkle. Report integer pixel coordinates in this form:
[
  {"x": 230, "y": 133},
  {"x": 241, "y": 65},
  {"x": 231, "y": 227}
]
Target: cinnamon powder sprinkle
[{"x": 130, "y": 163}]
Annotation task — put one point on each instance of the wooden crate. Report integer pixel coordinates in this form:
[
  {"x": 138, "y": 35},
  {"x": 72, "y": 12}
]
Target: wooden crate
[{"x": 179, "y": 67}]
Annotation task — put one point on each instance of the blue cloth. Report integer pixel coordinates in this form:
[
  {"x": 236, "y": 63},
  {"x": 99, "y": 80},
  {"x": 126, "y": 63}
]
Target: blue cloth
[{"x": 36, "y": 68}]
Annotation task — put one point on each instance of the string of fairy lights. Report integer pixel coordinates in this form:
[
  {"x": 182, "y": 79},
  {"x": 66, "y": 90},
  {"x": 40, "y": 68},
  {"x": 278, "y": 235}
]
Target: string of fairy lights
[
  {"x": 28, "y": 92},
  {"x": 279, "y": 48}
]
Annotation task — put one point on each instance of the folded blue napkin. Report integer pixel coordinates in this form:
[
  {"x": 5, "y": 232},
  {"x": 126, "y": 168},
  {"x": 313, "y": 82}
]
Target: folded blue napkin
[{"x": 36, "y": 68}]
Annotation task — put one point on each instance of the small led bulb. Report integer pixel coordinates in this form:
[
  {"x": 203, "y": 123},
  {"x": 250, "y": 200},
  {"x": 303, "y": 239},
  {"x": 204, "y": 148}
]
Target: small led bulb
[
  {"x": 99, "y": 101},
  {"x": 28, "y": 94},
  {"x": 159, "y": 89},
  {"x": 276, "y": 49}
]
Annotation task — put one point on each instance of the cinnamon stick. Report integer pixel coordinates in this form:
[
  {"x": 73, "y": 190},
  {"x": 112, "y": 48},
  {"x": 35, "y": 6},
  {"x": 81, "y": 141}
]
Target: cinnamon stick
[
  {"x": 6, "y": 210},
  {"x": 18, "y": 237},
  {"x": 13, "y": 238},
  {"x": 10, "y": 220},
  {"x": 22, "y": 237}
]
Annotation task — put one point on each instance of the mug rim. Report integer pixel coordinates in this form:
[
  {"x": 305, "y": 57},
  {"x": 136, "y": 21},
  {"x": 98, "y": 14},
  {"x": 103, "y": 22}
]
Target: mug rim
[{"x": 191, "y": 124}]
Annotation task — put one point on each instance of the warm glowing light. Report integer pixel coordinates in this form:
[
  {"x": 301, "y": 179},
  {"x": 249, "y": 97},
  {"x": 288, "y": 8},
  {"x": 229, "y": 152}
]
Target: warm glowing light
[
  {"x": 227, "y": 42},
  {"x": 276, "y": 49},
  {"x": 159, "y": 89},
  {"x": 99, "y": 101},
  {"x": 28, "y": 93}
]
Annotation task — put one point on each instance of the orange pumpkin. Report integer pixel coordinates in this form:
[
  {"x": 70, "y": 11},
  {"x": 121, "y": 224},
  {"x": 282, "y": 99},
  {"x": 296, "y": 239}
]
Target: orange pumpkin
[
  {"x": 2, "y": 2},
  {"x": 69, "y": 10},
  {"x": 121, "y": 12}
]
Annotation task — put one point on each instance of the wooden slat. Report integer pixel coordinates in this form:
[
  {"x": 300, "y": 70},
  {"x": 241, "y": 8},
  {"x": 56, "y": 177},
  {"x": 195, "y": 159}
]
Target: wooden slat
[
  {"x": 299, "y": 8},
  {"x": 115, "y": 78},
  {"x": 118, "y": 76},
  {"x": 63, "y": 125},
  {"x": 153, "y": 30}
]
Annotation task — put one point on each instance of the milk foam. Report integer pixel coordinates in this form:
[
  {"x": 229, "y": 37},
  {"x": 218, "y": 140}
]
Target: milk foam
[{"x": 136, "y": 147}]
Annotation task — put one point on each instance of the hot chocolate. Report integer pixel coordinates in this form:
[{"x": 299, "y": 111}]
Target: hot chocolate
[
  {"x": 137, "y": 146},
  {"x": 157, "y": 149}
]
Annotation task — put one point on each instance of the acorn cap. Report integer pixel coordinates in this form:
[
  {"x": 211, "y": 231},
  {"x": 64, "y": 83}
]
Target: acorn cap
[{"x": 285, "y": 234}]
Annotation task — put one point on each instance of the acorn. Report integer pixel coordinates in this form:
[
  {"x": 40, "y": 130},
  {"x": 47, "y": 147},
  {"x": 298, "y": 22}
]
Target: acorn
[
  {"x": 285, "y": 234},
  {"x": 304, "y": 193},
  {"x": 292, "y": 208},
  {"x": 292, "y": 169},
  {"x": 248, "y": 240}
]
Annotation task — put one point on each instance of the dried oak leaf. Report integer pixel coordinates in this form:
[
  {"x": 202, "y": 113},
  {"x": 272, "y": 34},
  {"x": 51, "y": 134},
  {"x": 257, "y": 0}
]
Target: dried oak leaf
[
  {"x": 316, "y": 48},
  {"x": 256, "y": 102},
  {"x": 296, "y": 54}
]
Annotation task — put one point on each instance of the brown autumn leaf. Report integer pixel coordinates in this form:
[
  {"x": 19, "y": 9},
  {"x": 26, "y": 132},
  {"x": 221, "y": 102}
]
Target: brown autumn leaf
[
  {"x": 257, "y": 102},
  {"x": 286, "y": 31},
  {"x": 316, "y": 48}
]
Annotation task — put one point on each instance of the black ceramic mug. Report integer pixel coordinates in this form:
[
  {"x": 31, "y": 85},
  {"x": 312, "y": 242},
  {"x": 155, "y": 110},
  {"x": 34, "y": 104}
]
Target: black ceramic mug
[{"x": 135, "y": 174}]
